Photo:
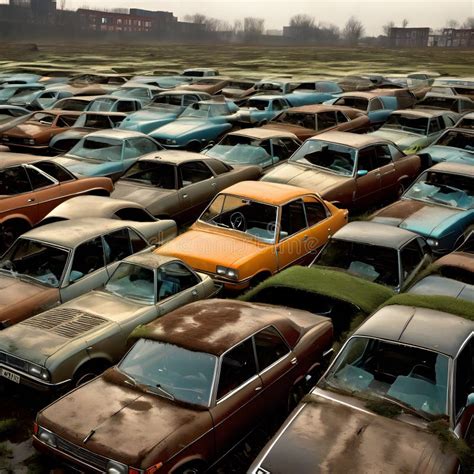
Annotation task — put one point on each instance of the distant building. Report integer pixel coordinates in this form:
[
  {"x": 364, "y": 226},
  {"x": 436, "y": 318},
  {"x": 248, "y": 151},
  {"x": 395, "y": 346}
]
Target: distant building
[
  {"x": 408, "y": 37},
  {"x": 453, "y": 38}
]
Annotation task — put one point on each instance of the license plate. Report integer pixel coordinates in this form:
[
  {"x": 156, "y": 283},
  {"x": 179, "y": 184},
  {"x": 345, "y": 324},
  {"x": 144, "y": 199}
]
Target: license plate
[{"x": 10, "y": 375}]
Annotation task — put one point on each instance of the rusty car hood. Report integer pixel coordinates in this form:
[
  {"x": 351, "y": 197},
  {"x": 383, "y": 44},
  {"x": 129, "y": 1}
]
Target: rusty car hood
[
  {"x": 310, "y": 178},
  {"x": 330, "y": 436},
  {"x": 20, "y": 300},
  {"x": 143, "y": 194},
  {"x": 122, "y": 425},
  {"x": 30, "y": 130},
  {"x": 288, "y": 127}
]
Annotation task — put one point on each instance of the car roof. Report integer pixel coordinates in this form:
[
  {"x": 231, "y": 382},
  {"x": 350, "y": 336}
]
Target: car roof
[
  {"x": 407, "y": 324},
  {"x": 73, "y": 232},
  {"x": 174, "y": 156},
  {"x": 182, "y": 92},
  {"x": 119, "y": 133},
  {"x": 150, "y": 259},
  {"x": 317, "y": 108},
  {"x": 214, "y": 326},
  {"x": 451, "y": 167},
  {"x": 350, "y": 139},
  {"x": 8, "y": 159},
  {"x": 262, "y": 133},
  {"x": 439, "y": 95},
  {"x": 421, "y": 112},
  {"x": 470, "y": 115},
  {"x": 360, "y": 94},
  {"x": 267, "y": 96},
  {"x": 373, "y": 233},
  {"x": 265, "y": 191},
  {"x": 106, "y": 114},
  {"x": 58, "y": 112}
]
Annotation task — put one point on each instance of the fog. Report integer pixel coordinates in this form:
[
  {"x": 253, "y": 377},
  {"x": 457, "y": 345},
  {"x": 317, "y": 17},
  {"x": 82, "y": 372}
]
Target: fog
[{"x": 373, "y": 13}]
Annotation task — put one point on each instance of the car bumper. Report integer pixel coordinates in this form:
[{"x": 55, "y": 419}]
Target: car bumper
[
  {"x": 224, "y": 283},
  {"x": 24, "y": 145},
  {"x": 28, "y": 381}
]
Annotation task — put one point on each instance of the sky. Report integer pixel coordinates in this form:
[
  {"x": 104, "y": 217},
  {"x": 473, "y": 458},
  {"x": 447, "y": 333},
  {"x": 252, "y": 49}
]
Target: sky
[{"x": 372, "y": 13}]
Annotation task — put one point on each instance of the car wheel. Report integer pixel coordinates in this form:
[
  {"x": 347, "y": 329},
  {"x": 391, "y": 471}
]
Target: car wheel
[
  {"x": 297, "y": 392},
  {"x": 190, "y": 469},
  {"x": 400, "y": 189},
  {"x": 257, "y": 279},
  {"x": 87, "y": 373},
  {"x": 194, "y": 146}
]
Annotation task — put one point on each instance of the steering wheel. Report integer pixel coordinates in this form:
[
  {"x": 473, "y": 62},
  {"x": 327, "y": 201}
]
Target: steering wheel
[
  {"x": 424, "y": 369},
  {"x": 238, "y": 222}
]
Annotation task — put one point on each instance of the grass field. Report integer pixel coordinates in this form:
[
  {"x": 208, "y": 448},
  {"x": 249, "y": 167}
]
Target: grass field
[{"x": 234, "y": 60}]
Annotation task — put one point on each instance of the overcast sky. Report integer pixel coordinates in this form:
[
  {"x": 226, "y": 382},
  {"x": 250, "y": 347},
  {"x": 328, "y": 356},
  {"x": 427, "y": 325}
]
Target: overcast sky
[{"x": 373, "y": 13}]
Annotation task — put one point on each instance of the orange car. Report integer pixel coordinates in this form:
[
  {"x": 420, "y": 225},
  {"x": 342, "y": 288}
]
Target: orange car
[{"x": 252, "y": 230}]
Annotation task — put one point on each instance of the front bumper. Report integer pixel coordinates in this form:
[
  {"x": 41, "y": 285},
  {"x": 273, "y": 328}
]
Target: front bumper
[
  {"x": 232, "y": 285},
  {"x": 27, "y": 380}
]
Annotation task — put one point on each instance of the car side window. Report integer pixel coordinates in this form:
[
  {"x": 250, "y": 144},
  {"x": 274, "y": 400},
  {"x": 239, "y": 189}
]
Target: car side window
[
  {"x": 38, "y": 180},
  {"x": 218, "y": 166},
  {"x": 341, "y": 118},
  {"x": 375, "y": 104},
  {"x": 137, "y": 241},
  {"x": 88, "y": 258},
  {"x": 173, "y": 278},
  {"x": 189, "y": 99},
  {"x": 125, "y": 106},
  {"x": 315, "y": 211},
  {"x": 293, "y": 219},
  {"x": 14, "y": 181},
  {"x": 54, "y": 170},
  {"x": 134, "y": 214},
  {"x": 384, "y": 156},
  {"x": 290, "y": 144},
  {"x": 449, "y": 121},
  {"x": 194, "y": 172},
  {"x": 464, "y": 382},
  {"x": 366, "y": 159},
  {"x": 277, "y": 105},
  {"x": 270, "y": 347},
  {"x": 326, "y": 120},
  {"x": 142, "y": 146},
  {"x": 411, "y": 257},
  {"x": 434, "y": 125},
  {"x": 237, "y": 367},
  {"x": 117, "y": 246},
  {"x": 395, "y": 152}
]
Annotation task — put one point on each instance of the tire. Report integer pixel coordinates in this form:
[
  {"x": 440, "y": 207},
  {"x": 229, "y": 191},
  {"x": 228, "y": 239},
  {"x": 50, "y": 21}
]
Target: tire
[
  {"x": 295, "y": 395},
  {"x": 194, "y": 146},
  {"x": 257, "y": 279},
  {"x": 194, "y": 468},
  {"x": 401, "y": 187},
  {"x": 88, "y": 372}
]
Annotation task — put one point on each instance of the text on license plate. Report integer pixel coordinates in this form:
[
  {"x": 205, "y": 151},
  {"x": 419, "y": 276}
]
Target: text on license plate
[{"x": 10, "y": 375}]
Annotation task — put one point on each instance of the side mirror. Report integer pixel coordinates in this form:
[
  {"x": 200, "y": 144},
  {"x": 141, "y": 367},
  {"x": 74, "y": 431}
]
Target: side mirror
[
  {"x": 361, "y": 173},
  {"x": 470, "y": 400}
]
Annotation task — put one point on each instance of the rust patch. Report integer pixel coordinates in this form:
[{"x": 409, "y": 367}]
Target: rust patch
[{"x": 401, "y": 209}]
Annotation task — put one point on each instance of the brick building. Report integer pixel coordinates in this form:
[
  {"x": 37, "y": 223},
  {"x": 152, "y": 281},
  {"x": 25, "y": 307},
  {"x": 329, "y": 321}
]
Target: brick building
[{"x": 408, "y": 37}]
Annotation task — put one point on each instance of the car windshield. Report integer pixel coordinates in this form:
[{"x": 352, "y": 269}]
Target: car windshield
[
  {"x": 154, "y": 173},
  {"x": 372, "y": 262},
  {"x": 414, "y": 377},
  {"x": 24, "y": 95},
  {"x": 438, "y": 102},
  {"x": 133, "y": 282},
  {"x": 242, "y": 150},
  {"x": 132, "y": 92},
  {"x": 329, "y": 156},
  {"x": 299, "y": 119},
  {"x": 171, "y": 102},
  {"x": 253, "y": 218},
  {"x": 34, "y": 260},
  {"x": 258, "y": 104},
  {"x": 355, "y": 102},
  {"x": 408, "y": 123},
  {"x": 101, "y": 105},
  {"x": 7, "y": 92},
  {"x": 466, "y": 123},
  {"x": 457, "y": 139},
  {"x": 450, "y": 189},
  {"x": 171, "y": 371},
  {"x": 42, "y": 118},
  {"x": 200, "y": 110},
  {"x": 98, "y": 149}
]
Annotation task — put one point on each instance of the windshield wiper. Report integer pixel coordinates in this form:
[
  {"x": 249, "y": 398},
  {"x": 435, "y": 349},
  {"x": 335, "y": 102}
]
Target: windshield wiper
[
  {"x": 161, "y": 389},
  {"x": 406, "y": 407}
]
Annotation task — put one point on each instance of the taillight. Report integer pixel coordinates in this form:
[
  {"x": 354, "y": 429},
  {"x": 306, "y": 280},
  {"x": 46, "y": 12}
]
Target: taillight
[
  {"x": 153, "y": 469},
  {"x": 35, "y": 428}
]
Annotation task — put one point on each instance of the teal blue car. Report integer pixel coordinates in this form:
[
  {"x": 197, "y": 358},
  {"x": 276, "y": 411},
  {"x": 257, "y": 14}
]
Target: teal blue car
[{"x": 454, "y": 145}]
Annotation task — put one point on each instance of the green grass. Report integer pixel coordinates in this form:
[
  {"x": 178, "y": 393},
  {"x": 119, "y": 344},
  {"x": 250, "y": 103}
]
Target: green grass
[{"x": 234, "y": 60}]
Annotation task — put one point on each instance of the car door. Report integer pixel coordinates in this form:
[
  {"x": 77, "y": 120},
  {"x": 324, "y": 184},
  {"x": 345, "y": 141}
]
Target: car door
[
  {"x": 367, "y": 179},
  {"x": 238, "y": 402},
  {"x": 176, "y": 286},
  {"x": 387, "y": 170},
  {"x": 376, "y": 111},
  {"x": 86, "y": 271},
  {"x": 117, "y": 246},
  {"x": 412, "y": 260}
]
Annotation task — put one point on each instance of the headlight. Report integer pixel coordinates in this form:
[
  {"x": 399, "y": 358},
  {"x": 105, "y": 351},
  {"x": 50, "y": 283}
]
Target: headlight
[
  {"x": 46, "y": 437},
  {"x": 29, "y": 141},
  {"x": 432, "y": 242},
  {"x": 227, "y": 272},
  {"x": 38, "y": 372},
  {"x": 5, "y": 138},
  {"x": 170, "y": 142},
  {"x": 114, "y": 467}
]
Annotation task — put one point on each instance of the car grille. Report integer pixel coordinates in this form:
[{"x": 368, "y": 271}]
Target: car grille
[
  {"x": 13, "y": 361},
  {"x": 15, "y": 141},
  {"x": 65, "y": 322},
  {"x": 81, "y": 454}
]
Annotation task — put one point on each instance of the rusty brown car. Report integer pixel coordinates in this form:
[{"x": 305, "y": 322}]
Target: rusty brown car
[
  {"x": 35, "y": 133},
  {"x": 209, "y": 85},
  {"x": 31, "y": 187},
  {"x": 195, "y": 383},
  {"x": 353, "y": 171},
  {"x": 310, "y": 120}
]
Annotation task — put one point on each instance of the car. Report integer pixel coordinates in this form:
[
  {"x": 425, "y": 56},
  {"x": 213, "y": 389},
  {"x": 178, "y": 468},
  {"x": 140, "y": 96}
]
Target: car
[
  {"x": 110, "y": 103},
  {"x": 35, "y": 133},
  {"x": 106, "y": 207},
  {"x": 253, "y": 230},
  {"x": 162, "y": 82},
  {"x": 19, "y": 78},
  {"x": 458, "y": 104},
  {"x": 200, "y": 72},
  {"x": 165, "y": 107},
  {"x": 10, "y": 115},
  {"x": 239, "y": 88},
  {"x": 354, "y": 171},
  {"x": 178, "y": 184},
  {"x": 454, "y": 145},
  {"x": 466, "y": 121},
  {"x": 145, "y": 93},
  {"x": 38, "y": 99},
  {"x": 375, "y": 252},
  {"x": 413, "y": 130},
  {"x": 319, "y": 91},
  {"x": 439, "y": 206},
  {"x": 454, "y": 86},
  {"x": 106, "y": 81},
  {"x": 209, "y": 85},
  {"x": 142, "y": 288},
  {"x": 31, "y": 187},
  {"x": 198, "y": 125},
  {"x": 196, "y": 371},
  {"x": 86, "y": 123},
  {"x": 254, "y": 146},
  {"x": 74, "y": 104},
  {"x": 260, "y": 109},
  {"x": 9, "y": 91},
  {"x": 107, "y": 153},
  {"x": 394, "y": 384},
  {"x": 310, "y": 120},
  {"x": 55, "y": 263}
]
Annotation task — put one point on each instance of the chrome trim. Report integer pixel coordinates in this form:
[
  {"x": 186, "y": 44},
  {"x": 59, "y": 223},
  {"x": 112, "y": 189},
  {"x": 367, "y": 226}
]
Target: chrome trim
[
  {"x": 237, "y": 389},
  {"x": 271, "y": 366},
  {"x": 40, "y": 381}
]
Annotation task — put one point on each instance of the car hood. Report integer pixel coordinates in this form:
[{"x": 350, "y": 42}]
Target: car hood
[
  {"x": 399, "y": 137},
  {"x": 143, "y": 194},
  {"x": 123, "y": 424},
  {"x": 419, "y": 217},
  {"x": 28, "y": 130},
  {"x": 20, "y": 299},
  {"x": 82, "y": 167},
  {"x": 204, "y": 248},
  {"x": 181, "y": 127},
  {"x": 440, "y": 153},
  {"x": 287, "y": 127},
  {"x": 309, "y": 178},
  {"x": 330, "y": 436}
]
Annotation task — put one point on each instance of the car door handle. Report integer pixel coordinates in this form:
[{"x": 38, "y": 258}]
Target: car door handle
[
  {"x": 31, "y": 200},
  {"x": 257, "y": 389},
  {"x": 185, "y": 196},
  {"x": 294, "y": 361},
  {"x": 194, "y": 293},
  {"x": 214, "y": 184}
]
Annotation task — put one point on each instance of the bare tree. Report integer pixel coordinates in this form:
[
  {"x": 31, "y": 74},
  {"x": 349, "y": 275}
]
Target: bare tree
[
  {"x": 387, "y": 27},
  {"x": 302, "y": 21},
  {"x": 197, "y": 18},
  {"x": 468, "y": 23},
  {"x": 353, "y": 30},
  {"x": 62, "y": 4},
  {"x": 254, "y": 26},
  {"x": 404, "y": 23},
  {"x": 452, "y": 24},
  {"x": 238, "y": 27}
]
